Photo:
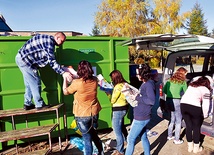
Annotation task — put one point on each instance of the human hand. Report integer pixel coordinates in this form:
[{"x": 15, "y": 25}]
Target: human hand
[{"x": 67, "y": 76}]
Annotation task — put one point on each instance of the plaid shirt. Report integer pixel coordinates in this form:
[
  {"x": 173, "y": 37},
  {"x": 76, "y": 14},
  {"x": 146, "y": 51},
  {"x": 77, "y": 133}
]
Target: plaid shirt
[{"x": 39, "y": 51}]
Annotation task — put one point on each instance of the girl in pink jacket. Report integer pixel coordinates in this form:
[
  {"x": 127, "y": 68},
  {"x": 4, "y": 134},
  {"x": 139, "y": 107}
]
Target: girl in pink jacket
[{"x": 194, "y": 108}]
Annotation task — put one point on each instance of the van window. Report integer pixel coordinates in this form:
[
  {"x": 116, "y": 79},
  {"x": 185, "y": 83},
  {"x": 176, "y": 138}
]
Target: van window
[
  {"x": 197, "y": 65},
  {"x": 193, "y": 63}
]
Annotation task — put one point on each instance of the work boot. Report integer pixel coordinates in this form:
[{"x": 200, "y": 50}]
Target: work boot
[
  {"x": 190, "y": 146},
  {"x": 29, "y": 107},
  {"x": 197, "y": 148}
]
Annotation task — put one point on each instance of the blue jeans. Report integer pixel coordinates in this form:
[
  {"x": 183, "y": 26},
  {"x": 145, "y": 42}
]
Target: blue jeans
[
  {"x": 176, "y": 118},
  {"x": 87, "y": 127},
  {"x": 32, "y": 83},
  {"x": 119, "y": 128},
  {"x": 138, "y": 128}
]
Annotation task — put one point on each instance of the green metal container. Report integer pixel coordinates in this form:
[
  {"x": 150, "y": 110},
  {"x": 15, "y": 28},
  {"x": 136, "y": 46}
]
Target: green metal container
[
  {"x": 104, "y": 56},
  {"x": 102, "y": 52}
]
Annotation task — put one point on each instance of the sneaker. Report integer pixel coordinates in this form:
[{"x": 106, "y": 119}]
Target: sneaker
[
  {"x": 43, "y": 107},
  {"x": 26, "y": 107},
  {"x": 178, "y": 142},
  {"x": 149, "y": 133},
  {"x": 170, "y": 138},
  {"x": 152, "y": 133}
]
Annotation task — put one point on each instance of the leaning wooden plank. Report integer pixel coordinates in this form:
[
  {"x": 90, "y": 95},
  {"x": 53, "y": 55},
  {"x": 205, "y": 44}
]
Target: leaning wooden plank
[{"x": 27, "y": 132}]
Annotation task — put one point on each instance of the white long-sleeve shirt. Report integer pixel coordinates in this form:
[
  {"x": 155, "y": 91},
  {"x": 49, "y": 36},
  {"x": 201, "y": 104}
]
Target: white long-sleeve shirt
[{"x": 197, "y": 96}]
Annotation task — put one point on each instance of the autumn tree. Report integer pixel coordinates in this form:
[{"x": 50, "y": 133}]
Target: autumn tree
[
  {"x": 123, "y": 18},
  {"x": 166, "y": 15},
  {"x": 167, "y": 18},
  {"x": 131, "y": 18},
  {"x": 196, "y": 23}
]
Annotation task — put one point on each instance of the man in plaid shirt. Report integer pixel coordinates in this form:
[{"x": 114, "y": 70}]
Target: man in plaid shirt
[{"x": 36, "y": 53}]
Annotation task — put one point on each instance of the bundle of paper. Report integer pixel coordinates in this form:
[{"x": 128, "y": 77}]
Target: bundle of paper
[
  {"x": 71, "y": 70},
  {"x": 130, "y": 93},
  {"x": 104, "y": 85}
]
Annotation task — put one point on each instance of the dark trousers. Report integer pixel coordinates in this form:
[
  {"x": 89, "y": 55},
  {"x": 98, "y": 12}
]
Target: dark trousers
[{"x": 193, "y": 117}]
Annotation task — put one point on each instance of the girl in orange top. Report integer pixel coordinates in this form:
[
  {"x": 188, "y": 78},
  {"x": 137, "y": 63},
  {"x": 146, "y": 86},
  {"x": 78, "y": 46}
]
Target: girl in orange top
[{"x": 86, "y": 106}]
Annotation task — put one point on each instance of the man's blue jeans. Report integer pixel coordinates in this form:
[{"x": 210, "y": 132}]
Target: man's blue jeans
[
  {"x": 138, "y": 128},
  {"x": 32, "y": 84},
  {"x": 118, "y": 125},
  {"x": 87, "y": 127},
  {"x": 176, "y": 118}
]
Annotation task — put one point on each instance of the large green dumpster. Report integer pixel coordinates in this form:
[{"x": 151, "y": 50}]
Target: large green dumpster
[{"x": 103, "y": 54}]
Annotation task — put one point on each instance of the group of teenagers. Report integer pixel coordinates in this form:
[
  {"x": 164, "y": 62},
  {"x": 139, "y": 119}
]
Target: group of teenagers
[
  {"x": 38, "y": 51},
  {"x": 86, "y": 108}
]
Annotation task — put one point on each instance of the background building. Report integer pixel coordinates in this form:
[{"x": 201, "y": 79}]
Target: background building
[{"x": 5, "y": 30}]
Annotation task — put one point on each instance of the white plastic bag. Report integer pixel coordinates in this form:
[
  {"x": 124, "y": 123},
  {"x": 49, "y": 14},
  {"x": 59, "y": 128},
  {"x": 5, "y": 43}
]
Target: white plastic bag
[{"x": 130, "y": 93}]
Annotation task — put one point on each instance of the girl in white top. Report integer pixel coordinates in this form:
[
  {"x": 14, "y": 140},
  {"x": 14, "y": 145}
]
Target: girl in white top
[{"x": 194, "y": 108}]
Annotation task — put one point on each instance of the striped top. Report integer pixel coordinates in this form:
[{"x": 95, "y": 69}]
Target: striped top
[{"x": 39, "y": 51}]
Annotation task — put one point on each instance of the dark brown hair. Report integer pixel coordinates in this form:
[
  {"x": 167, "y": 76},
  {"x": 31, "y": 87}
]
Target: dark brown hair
[
  {"x": 85, "y": 70},
  {"x": 145, "y": 72},
  {"x": 117, "y": 77},
  {"x": 202, "y": 81}
]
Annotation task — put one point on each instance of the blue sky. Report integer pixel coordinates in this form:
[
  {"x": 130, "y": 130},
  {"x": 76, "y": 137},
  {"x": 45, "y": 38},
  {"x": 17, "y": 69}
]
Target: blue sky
[{"x": 70, "y": 15}]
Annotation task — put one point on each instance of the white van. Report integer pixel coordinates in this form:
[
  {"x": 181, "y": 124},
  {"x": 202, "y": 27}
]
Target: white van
[{"x": 193, "y": 52}]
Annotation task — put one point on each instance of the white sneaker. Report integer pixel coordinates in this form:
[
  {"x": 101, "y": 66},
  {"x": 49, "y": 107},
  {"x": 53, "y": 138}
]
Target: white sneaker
[
  {"x": 178, "y": 142},
  {"x": 170, "y": 138}
]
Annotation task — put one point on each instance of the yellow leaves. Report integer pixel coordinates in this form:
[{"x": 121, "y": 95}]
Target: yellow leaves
[
  {"x": 167, "y": 15},
  {"x": 154, "y": 62},
  {"x": 130, "y": 18},
  {"x": 139, "y": 61},
  {"x": 121, "y": 17}
]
